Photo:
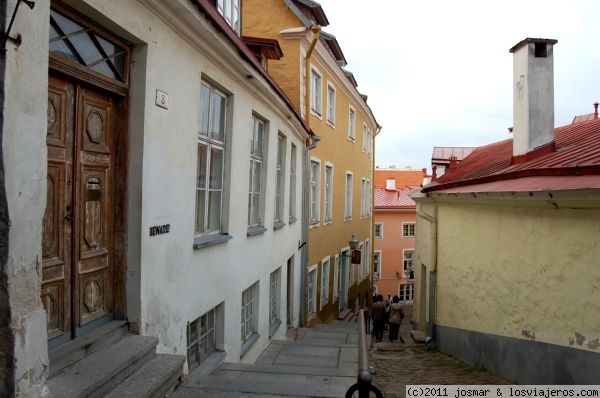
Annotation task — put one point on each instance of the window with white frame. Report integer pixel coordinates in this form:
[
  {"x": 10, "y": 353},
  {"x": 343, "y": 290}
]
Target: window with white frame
[
  {"x": 204, "y": 336},
  {"x": 315, "y": 191},
  {"x": 274, "y": 295},
  {"x": 378, "y": 230},
  {"x": 211, "y": 160},
  {"x": 361, "y": 248},
  {"x": 280, "y": 178},
  {"x": 316, "y": 92},
  {"x": 407, "y": 262},
  {"x": 255, "y": 196},
  {"x": 293, "y": 183},
  {"x": 367, "y": 259},
  {"x": 348, "y": 196},
  {"x": 365, "y": 137},
  {"x": 351, "y": 124},
  {"x": 369, "y": 198},
  {"x": 230, "y": 10},
  {"x": 249, "y": 312},
  {"x": 351, "y": 271},
  {"x": 364, "y": 198},
  {"x": 312, "y": 289},
  {"x": 405, "y": 292},
  {"x": 328, "y": 205},
  {"x": 324, "y": 282},
  {"x": 330, "y": 104},
  {"x": 377, "y": 263},
  {"x": 370, "y": 142},
  {"x": 336, "y": 277},
  {"x": 408, "y": 230}
]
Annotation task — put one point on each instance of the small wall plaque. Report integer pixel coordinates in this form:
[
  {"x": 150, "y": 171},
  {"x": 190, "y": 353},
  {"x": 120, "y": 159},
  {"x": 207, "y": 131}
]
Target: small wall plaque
[
  {"x": 160, "y": 229},
  {"x": 162, "y": 99}
]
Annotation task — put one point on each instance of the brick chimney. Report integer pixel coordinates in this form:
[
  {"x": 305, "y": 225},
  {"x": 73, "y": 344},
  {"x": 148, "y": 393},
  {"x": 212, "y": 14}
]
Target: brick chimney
[{"x": 533, "y": 98}]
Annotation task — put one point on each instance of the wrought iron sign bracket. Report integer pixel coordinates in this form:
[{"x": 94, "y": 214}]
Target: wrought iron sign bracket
[{"x": 5, "y": 36}]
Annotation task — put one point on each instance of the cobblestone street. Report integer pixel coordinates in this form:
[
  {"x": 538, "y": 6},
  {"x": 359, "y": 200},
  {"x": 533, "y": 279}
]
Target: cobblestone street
[{"x": 396, "y": 365}]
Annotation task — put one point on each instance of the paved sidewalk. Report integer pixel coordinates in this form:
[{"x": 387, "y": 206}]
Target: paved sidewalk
[{"x": 395, "y": 365}]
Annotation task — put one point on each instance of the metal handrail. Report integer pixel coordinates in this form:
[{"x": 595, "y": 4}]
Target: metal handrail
[{"x": 363, "y": 381}]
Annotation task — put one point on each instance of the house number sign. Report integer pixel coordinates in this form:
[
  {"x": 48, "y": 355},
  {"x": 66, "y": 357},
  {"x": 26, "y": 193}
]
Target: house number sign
[{"x": 160, "y": 229}]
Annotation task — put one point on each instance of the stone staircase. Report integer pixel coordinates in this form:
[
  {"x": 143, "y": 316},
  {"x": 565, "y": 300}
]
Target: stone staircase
[
  {"x": 109, "y": 362},
  {"x": 321, "y": 362}
]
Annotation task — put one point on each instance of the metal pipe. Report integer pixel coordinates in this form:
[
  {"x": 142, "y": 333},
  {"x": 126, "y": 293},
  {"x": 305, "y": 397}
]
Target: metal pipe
[{"x": 317, "y": 32}]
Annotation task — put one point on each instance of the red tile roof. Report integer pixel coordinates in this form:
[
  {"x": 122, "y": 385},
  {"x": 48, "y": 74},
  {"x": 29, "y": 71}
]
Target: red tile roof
[
  {"x": 394, "y": 199},
  {"x": 577, "y": 153},
  {"x": 403, "y": 178},
  {"x": 444, "y": 153}
]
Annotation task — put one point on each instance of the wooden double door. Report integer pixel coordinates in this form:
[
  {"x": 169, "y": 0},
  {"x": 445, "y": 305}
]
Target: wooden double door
[{"x": 78, "y": 231}]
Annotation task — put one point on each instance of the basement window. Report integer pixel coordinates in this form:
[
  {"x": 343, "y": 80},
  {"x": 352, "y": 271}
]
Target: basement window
[
  {"x": 541, "y": 50},
  {"x": 205, "y": 336}
]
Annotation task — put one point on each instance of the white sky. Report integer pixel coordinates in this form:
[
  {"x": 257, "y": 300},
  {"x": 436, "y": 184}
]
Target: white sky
[{"x": 439, "y": 73}]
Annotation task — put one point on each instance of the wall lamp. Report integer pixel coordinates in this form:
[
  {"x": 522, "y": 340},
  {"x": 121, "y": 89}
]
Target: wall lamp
[
  {"x": 6, "y": 35},
  {"x": 354, "y": 252},
  {"x": 314, "y": 139}
]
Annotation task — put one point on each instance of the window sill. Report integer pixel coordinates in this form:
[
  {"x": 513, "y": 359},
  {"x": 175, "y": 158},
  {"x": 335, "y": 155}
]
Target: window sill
[
  {"x": 331, "y": 124},
  {"x": 278, "y": 225},
  {"x": 328, "y": 221},
  {"x": 201, "y": 242},
  {"x": 352, "y": 140},
  {"x": 314, "y": 224},
  {"x": 210, "y": 363},
  {"x": 253, "y": 231},
  {"x": 246, "y": 345},
  {"x": 348, "y": 218},
  {"x": 274, "y": 326},
  {"x": 292, "y": 220}
]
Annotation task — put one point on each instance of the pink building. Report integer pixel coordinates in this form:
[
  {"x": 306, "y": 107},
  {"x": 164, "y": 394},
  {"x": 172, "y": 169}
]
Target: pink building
[{"x": 394, "y": 236}]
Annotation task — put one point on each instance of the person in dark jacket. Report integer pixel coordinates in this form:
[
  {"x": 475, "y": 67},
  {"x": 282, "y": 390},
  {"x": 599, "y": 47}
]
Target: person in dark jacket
[
  {"x": 396, "y": 314},
  {"x": 378, "y": 317}
]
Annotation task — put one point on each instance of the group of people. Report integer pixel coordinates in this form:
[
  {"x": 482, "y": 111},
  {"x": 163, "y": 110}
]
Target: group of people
[{"x": 388, "y": 312}]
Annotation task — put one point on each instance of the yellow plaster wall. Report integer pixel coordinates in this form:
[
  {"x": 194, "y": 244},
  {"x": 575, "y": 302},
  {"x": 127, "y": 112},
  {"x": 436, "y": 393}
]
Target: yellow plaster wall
[{"x": 528, "y": 273}]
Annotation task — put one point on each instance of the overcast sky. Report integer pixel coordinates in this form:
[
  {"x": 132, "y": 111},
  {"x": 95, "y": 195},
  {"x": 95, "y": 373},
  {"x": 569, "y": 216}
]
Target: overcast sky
[{"x": 439, "y": 73}]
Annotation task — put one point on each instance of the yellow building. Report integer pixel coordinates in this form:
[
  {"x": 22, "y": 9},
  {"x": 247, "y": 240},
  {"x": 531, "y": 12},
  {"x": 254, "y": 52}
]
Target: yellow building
[
  {"x": 508, "y": 253},
  {"x": 340, "y": 167}
]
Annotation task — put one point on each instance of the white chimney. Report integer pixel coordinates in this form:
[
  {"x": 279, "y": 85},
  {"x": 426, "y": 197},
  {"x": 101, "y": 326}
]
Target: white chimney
[
  {"x": 390, "y": 184},
  {"x": 533, "y": 95}
]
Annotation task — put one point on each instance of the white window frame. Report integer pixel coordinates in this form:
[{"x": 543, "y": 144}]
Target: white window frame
[
  {"x": 351, "y": 124},
  {"x": 213, "y": 141},
  {"x": 315, "y": 191},
  {"x": 370, "y": 142},
  {"x": 408, "y": 263},
  {"x": 293, "y": 167},
  {"x": 336, "y": 277},
  {"x": 230, "y": 10},
  {"x": 377, "y": 259},
  {"x": 366, "y": 258},
  {"x": 328, "y": 193},
  {"x": 363, "y": 198},
  {"x": 368, "y": 199},
  {"x": 311, "y": 296},
  {"x": 207, "y": 338},
  {"x": 256, "y": 186},
  {"x": 406, "y": 292},
  {"x": 361, "y": 248},
  {"x": 316, "y": 92},
  {"x": 325, "y": 275},
  {"x": 380, "y": 234},
  {"x": 249, "y": 313},
  {"x": 406, "y": 227},
  {"x": 348, "y": 195},
  {"x": 280, "y": 178},
  {"x": 365, "y": 138},
  {"x": 331, "y": 104}
]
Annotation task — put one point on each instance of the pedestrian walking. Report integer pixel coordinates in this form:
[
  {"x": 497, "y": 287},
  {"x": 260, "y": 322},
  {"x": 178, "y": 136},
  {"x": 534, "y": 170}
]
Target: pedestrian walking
[
  {"x": 396, "y": 314},
  {"x": 378, "y": 317}
]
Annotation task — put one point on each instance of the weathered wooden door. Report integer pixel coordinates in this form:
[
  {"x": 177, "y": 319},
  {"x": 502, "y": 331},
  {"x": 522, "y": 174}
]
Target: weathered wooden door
[{"x": 78, "y": 238}]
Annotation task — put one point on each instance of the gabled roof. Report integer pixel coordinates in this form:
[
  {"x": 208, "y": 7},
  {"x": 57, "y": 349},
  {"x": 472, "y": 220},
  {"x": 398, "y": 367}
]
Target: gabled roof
[
  {"x": 308, "y": 11},
  {"x": 398, "y": 199},
  {"x": 403, "y": 178},
  {"x": 268, "y": 47},
  {"x": 334, "y": 47},
  {"x": 208, "y": 8},
  {"x": 576, "y": 160}
]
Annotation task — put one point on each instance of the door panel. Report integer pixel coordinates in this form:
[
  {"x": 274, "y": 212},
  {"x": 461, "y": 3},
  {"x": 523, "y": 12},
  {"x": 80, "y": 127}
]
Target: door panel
[
  {"x": 56, "y": 237},
  {"x": 77, "y": 281}
]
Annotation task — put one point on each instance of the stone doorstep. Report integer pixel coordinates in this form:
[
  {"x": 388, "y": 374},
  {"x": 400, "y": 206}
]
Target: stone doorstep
[{"x": 98, "y": 373}]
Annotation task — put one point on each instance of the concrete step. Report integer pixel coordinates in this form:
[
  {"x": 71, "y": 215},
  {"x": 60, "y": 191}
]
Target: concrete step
[
  {"x": 77, "y": 349},
  {"x": 155, "y": 379},
  {"x": 98, "y": 373},
  {"x": 315, "y": 370}
]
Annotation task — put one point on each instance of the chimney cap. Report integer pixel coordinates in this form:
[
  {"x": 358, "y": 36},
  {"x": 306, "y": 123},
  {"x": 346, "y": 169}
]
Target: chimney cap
[{"x": 531, "y": 40}]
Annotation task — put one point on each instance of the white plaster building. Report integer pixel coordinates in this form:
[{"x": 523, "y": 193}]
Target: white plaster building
[{"x": 127, "y": 154}]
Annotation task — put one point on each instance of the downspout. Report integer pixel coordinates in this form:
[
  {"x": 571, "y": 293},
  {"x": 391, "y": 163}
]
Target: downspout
[
  {"x": 371, "y": 285},
  {"x": 432, "y": 271},
  {"x": 304, "y": 253}
]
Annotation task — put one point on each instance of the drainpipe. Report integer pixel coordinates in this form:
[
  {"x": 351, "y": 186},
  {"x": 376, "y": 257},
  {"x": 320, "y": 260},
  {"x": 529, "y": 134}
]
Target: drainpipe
[
  {"x": 432, "y": 270},
  {"x": 316, "y": 33}
]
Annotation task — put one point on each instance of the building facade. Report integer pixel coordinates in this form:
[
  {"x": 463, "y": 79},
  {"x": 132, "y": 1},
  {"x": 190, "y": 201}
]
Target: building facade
[
  {"x": 340, "y": 167},
  {"x": 153, "y": 172},
  {"x": 394, "y": 232},
  {"x": 522, "y": 301}
]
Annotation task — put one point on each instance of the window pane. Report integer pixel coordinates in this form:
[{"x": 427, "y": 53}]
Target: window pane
[
  {"x": 200, "y": 216},
  {"x": 204, "y": 106},
  {"x": 217, "y": 116},
  {"x": 214, "y": 211},
  {"x": 257, "y": 166},
  {"x": 216, "y": 168}
]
